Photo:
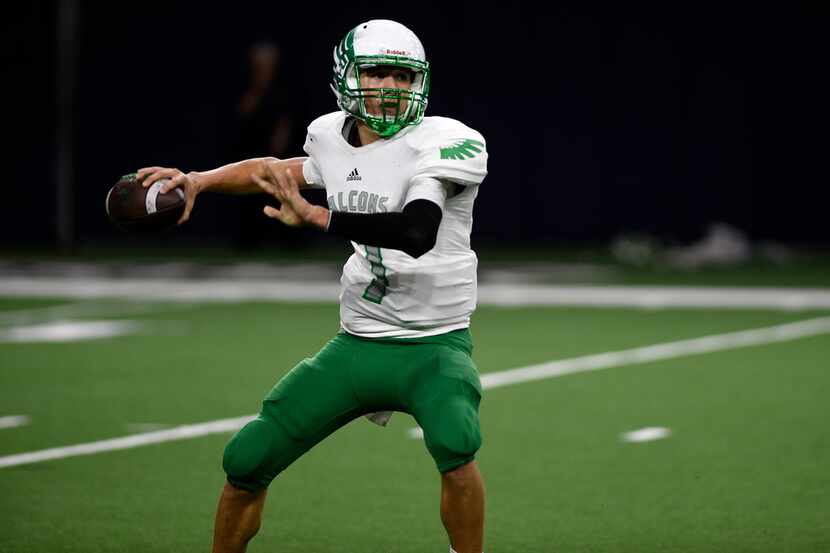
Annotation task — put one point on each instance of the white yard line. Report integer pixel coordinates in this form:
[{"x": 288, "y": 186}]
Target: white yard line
[
  {"x": 657, "y": 297},
  {"x": 68, "y": 331},
  {"x": 13, "y": 421},
  {"x": 668, "y": 350},
  {"x": 173, "y": 290},
  {"x": 127, "y": 442},
  {"x": 648, "y": 434},
  {"x": 230, "y": 290},
  {"x": 48, "y": 312},
  {"x": 74, "y": 310}
]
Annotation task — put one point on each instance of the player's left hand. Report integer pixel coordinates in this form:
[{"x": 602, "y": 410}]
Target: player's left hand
[{"x": 295, "y": 210}]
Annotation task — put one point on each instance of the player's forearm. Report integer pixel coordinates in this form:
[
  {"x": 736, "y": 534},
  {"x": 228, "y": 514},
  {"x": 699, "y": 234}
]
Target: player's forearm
[{"x": 237, "y": 178}]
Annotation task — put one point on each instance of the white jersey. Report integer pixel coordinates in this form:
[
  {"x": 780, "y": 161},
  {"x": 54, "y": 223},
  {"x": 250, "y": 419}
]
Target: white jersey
[{"x": 385, "y": 292}]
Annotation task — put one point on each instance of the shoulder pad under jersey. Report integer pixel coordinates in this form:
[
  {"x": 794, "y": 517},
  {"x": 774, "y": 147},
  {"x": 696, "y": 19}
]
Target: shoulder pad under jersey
[{"x": 449, "y": 150}]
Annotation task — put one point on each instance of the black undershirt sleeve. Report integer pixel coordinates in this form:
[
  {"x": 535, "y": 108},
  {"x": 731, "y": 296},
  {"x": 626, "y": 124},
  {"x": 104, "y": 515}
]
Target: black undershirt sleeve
[{"x": 413, "y": 230}]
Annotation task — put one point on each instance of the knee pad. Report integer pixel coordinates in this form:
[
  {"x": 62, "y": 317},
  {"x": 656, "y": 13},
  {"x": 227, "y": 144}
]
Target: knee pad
[
  {"x": 257, "y": 453},
  {"x": 245, "y": 453},
  {"x": 452, "y": 431}
]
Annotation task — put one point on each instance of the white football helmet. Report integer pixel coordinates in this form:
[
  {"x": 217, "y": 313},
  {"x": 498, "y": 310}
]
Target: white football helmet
[{"x": 387, "y": 43}]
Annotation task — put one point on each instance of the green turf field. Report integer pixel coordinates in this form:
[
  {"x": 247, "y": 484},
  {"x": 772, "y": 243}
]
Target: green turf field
[{"x": 746, "y": 468}]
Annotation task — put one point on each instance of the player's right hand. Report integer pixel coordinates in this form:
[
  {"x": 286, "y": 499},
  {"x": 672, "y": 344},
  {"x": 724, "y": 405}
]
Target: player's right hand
[
  {"x": 294, "y": 211},
  {"x": 188, "y": 182}
]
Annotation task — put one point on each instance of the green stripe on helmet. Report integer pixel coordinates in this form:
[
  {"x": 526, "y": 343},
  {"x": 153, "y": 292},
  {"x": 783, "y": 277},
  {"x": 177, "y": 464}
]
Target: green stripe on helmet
[{"x": 345, "y": 49}]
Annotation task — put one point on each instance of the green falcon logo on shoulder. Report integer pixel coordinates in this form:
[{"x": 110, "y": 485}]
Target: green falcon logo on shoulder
[{"x": 464, "y": 148}]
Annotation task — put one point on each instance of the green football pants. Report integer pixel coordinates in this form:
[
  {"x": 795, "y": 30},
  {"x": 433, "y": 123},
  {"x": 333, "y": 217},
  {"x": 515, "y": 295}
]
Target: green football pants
[{"x": 434, "y": 379}]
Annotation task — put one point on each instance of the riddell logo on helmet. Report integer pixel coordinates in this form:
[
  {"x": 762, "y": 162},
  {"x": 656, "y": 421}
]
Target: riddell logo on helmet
[{"x": 389, "y": 52}]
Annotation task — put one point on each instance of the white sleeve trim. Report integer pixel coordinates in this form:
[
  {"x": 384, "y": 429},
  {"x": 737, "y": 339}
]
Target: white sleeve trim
[
  {"x": 311, "y": 174},
  {"x": 428, "y": 188}
]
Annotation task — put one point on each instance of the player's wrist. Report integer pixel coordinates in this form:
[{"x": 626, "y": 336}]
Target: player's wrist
[{"x": 198, "y": 181}]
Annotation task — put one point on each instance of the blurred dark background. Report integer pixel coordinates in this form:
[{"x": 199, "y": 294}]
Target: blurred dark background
[{"x": 600, "y": 120}]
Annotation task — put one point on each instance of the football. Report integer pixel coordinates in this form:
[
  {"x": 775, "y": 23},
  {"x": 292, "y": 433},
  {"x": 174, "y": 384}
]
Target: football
[{"x": 133, "y": 208}]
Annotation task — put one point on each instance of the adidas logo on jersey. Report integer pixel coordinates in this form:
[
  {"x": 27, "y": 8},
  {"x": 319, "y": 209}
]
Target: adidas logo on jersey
[{"x": 353, "y": 176}]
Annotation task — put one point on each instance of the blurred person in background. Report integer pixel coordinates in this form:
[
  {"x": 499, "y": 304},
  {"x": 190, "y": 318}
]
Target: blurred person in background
[{"x": 263, "y": 126}]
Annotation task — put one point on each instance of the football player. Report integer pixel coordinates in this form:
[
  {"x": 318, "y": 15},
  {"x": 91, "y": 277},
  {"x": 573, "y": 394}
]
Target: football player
[{"x": 400, "y": 187}]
